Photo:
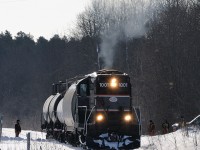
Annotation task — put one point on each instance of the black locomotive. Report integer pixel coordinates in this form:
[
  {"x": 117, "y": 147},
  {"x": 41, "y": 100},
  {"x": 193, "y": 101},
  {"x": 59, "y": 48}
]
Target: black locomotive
[{"x": 94, "y": 111}]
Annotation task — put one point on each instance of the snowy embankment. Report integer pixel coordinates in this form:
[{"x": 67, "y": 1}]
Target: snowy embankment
[
  {"x": 178, "y": 140},
  {"x": 38, "y": 141}
]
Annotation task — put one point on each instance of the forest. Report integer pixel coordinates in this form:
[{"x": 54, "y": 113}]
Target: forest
[{"x": 156, "y": 42}]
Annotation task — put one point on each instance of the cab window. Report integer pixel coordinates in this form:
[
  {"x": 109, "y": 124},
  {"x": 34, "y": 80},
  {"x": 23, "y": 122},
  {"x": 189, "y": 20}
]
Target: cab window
[{"x": 83, "y": 89}]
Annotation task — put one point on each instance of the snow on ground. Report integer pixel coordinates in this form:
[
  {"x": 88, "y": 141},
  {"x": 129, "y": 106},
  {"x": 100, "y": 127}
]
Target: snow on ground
[
  {"x": 178, "y": 140},
  {"x": 38, "y": 141}
]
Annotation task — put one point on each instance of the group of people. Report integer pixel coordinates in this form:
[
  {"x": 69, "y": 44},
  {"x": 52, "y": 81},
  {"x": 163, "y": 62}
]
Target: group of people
[{"x": 165, "y": 126}]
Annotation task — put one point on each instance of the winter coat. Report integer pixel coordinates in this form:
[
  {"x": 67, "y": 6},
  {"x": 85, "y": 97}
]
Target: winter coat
[
  {"x": 151, "y": 128},
  {"x": 17, "y": 127}
]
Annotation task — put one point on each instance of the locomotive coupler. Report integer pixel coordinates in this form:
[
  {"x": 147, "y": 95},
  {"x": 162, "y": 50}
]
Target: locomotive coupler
[{"x": 113, "y": 137}]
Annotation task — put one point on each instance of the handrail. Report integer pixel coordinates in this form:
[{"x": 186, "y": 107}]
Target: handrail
[
  {"x": 136, "y": 115},
  {"x": 88, "y": 118},
  {"x": 139, "y": 119},
  {"x": 85, "y": 113}
]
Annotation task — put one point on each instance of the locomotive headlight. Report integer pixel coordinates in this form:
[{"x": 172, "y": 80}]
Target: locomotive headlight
[
  {"x": 113, "y": 82},
  {"x": 127, "y": 118},
  {"x": 99, "y": 117}
]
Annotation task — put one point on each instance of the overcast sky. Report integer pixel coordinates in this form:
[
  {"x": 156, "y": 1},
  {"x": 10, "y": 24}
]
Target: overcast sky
[{"x": 39, "y": 17}]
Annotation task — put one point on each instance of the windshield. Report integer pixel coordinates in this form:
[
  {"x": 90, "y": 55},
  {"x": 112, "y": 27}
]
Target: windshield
[{"x": 113, "y": 102}]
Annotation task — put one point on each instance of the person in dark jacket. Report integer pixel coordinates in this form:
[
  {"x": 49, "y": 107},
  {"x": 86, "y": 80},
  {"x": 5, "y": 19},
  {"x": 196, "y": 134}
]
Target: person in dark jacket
[
  {"x": 151, "y": 128},
  {"x": 17, "y": 128},
  {"x": 182, "y": 123},
  {"x": 165, "y": 127}
]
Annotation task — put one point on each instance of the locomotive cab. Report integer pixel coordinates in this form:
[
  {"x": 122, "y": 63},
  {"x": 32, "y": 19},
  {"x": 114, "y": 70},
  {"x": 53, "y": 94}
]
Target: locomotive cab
[{"x": 83, "y": 95}]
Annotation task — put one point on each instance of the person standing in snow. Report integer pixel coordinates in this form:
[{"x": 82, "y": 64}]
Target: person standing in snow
[
  {"x": 165, "y": 127},
  {"x": 182, "y": 123},
  {"x": 17, "y": 128},
  {"x": 183, "y": 126},
  {"x": 151, "y": 128}
]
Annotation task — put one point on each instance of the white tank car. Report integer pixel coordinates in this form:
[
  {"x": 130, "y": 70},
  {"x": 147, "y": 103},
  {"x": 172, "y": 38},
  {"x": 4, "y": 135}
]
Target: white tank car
[
  {"x": 46, "y": 108},
  {"x": 66, "y": 108},
  {"x": 53, "y": 106},
  {"x": 60, "y": 111}
]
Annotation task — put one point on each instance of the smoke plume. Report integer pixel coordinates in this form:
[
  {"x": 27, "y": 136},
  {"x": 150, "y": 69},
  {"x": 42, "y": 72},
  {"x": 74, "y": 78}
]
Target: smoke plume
[{"x": 125, "y": 19}]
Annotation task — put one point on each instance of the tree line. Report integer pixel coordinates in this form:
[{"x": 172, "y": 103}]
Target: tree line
[{"x": 157, "y": 43}]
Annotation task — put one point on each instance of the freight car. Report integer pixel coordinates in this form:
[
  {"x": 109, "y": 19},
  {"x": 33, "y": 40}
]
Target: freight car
[{"x": 95, "y": 111}]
